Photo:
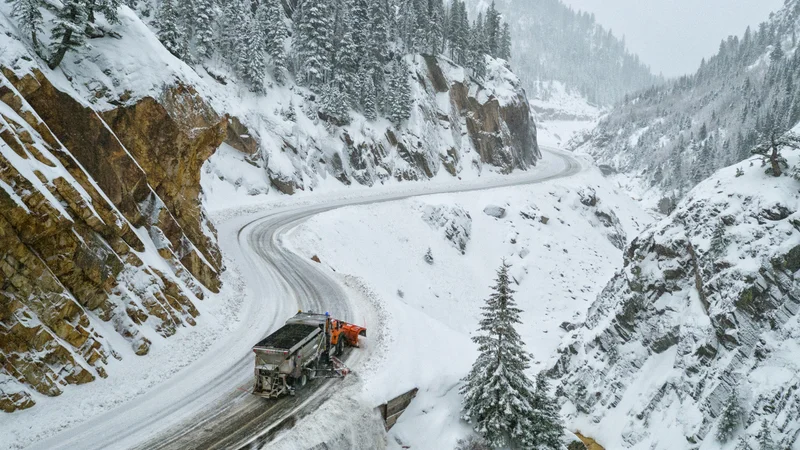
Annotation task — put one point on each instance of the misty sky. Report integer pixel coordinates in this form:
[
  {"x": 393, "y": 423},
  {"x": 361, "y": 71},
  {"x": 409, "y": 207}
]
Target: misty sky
[{"x": 672, "y": 36}]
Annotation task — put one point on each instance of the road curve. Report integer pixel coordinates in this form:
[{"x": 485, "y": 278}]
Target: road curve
[{"x": 215, "y": 410}]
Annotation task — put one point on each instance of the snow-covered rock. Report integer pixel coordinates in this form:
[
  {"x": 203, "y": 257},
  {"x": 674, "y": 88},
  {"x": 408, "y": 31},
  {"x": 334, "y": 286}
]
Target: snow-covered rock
[
  {"x": 498, "y": 212},
  {"x": 454, "y": 221},
  {"x": 705, "y": 305}
]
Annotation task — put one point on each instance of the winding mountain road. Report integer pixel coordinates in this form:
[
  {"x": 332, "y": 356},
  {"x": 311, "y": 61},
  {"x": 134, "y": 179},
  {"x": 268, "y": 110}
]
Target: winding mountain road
[{"x": 207, "y": 404}]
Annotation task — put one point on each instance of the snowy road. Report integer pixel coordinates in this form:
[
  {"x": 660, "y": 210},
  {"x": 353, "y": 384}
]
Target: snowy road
[{"x": 207, "y": 404}]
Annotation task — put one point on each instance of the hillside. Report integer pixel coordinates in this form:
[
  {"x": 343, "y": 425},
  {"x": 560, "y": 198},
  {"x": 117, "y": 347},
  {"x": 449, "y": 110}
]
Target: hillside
[
  {"x": 552, "y": 42},
  {"x": 110, "y": 160},
  {"x": 673, "y": 136},
  {"x": 700, "y": 326}
]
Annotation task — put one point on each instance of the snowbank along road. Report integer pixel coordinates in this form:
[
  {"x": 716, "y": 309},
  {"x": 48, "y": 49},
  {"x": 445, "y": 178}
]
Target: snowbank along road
[{"x": 208, "y": 404}]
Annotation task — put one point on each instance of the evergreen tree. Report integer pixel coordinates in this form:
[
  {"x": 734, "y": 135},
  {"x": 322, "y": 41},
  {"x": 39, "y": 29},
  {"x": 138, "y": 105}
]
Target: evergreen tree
[
  {"x": 203, "y": 25},
  {"x": 764, "y": 437},
  {"x": 367, "y": 100},
  {"x": 276, "y": 33},
  {"x": 312, "y": 41},
  {"x": 68, "y": 30},
  {"x": 772, "y": 142},
  {"x": 29, "y": 18},
  {"x": 498, "y": 397},
  {"x": 345, "y": 66},
  {"x": 334, "y": 105},
  {"x": 547, "y": 427},
  {"x": 251, "y": 65},
  {"x": 437, "y": 24},
  {"x": 108, "y": 8},
  {"x": 505, "y": 43},
  {"x": 719, "y": 242},
  {"x": 399, "y": 94},
  {"x": 170, "y": 31},
  {"x": 493, "y": 31},
  {"x": 478, "y": 49},
  {"x": 730, "y": 419}
]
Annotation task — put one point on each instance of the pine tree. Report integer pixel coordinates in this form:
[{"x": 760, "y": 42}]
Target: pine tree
[
  {"x": 334, "y": 105},
  {"x": 276, "y": 33},
  {"x": 345, "y": 67},
  {"x": 719, "y": 242},
  {"x": 399, "y": 94},
  {"x": 493, "y": 31},
  {"x": 250, "y": 54},
  {"x": 313, "y": 36},
  {"x": 764, "y": 437},
  {"x": 68, "y": 30},
  {"x": 730, "y": 419},
  {"x": 203, "y": 25},
  {"x": 29, "y": 18},
  {"x": 170, "y": 31},
  {"x": 498, "y": 397},
  {"x": 547, "y": 426},
  {"x": 108, "y": 8},
  {"x": 478, "y": 49},
  {"x": 505, "y": 43},
  {"x": 367, "y": 100}
]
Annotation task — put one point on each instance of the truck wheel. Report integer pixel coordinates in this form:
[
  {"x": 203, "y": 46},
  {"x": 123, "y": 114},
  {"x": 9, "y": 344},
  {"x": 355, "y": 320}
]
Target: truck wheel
[
  {"x": 340, "y": 347},
  {"x": 303, "y": 380}
]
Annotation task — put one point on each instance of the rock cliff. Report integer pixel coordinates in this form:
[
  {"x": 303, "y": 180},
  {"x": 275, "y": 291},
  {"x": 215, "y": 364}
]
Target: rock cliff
[
  {"x": 703, "y": 315},
  {"x": 101, "y": 228}
]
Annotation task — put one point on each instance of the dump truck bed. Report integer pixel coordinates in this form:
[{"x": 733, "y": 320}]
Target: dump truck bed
[{"x": 288, "y": 337}]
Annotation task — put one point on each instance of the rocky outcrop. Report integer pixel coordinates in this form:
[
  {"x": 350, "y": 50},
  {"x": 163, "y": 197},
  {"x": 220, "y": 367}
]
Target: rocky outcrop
[
  {"x": 704, "y": 312},
  {"x": 85, "y": 197},
  {"x": 454, "y": 222}
]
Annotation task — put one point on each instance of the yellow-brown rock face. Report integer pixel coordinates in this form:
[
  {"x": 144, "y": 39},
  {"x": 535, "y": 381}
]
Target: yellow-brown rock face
[{"x": 79, "y": 191}]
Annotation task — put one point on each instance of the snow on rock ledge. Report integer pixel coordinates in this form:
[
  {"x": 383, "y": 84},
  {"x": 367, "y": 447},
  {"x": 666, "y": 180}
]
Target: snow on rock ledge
[{"x": 706, "y": 305}]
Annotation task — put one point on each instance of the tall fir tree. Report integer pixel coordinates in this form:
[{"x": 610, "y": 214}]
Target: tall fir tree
[
  {"x": 203, "y": 24},
  {"x": 368, "y": 98},
  {"x": 250, "y": 63},
  {"x": 276, "y": 33},
  {"x": 399, "y": 94},
  {"x": 499, "y": 399},
  {"x": 345, "y": 64},
  {"x": 68, "y": 30},
  {"x": 730, "y": 419},
  {"x": 505, "y": 43},
  {"x": 29, "y": 18},
  {"x": 764, "y": 437},
  {"x": 493, "y": 31},
  {"x": 548, "y": 429},
  {"x": 334, "y": 104},
  {"x": 171, "y": 32},
  {"x": 313, "y": 42}
]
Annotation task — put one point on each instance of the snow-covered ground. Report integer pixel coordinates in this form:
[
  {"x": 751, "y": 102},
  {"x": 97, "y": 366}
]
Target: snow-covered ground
[
  {"x": 561, "y": 114},
  {"x": 431, "y": 310}
]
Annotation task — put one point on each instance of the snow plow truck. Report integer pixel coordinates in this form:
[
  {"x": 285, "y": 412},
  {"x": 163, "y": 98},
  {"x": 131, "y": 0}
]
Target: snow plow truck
[{"x": 308, "y": 346}]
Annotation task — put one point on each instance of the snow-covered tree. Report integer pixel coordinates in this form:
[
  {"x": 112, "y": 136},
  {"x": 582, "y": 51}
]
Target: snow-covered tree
[
  {"x": 334, "y": 105},
  {"x": 493, "y": 30},
  {"x": 367, "y": 96},
  {"x": 772, "y": 142},
  {"x": 171, "y": 32},
  {"x": 345, "y": 65},
  {"x": 730, "y": 419},
  {"x": 68, "y": 30},
  {"x": 499, "y": 399},
  {"x": 108, "y": 8},
  {"x": 271, "y": 17},
  {"x": 399, "y": 94},
  {"x": 505, "y": 43},
  {"x": 203, "y": 20},
  {"x": 719, "y": 241},
  {"x": 251, "y": 64},
  {"x": 313, "y": 46},
  {"x": 764, "y": 437},
  {"x": 29, "y": 18},
  {"x": 547, "y": 426}
]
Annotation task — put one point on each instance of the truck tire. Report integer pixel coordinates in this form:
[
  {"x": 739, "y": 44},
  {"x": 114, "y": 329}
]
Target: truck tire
[
  {"x": 339, "y": 347},
  {"x": 302, "y": 380}
]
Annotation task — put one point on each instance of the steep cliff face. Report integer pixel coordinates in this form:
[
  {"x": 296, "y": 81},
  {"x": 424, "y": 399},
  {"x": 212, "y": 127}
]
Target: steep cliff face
[
  {"x": 102, "y": 230},
  {"x": 703, "y": 315}
]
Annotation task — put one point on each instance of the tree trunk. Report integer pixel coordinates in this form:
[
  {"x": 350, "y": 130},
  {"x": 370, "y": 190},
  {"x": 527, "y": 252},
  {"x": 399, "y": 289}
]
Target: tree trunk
[
  {"x": 58, "y": 56},
  {"x": 776, "y": 166}
]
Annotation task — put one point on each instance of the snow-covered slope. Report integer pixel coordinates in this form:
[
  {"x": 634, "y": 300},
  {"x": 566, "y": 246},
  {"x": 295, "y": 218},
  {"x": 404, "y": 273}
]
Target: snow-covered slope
[
  {"x": 562, "y": 115},
  {"x": 562, "y": 237},
  {"x": 671, "y": 137},
  {"x": 703, "y": 314}
]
